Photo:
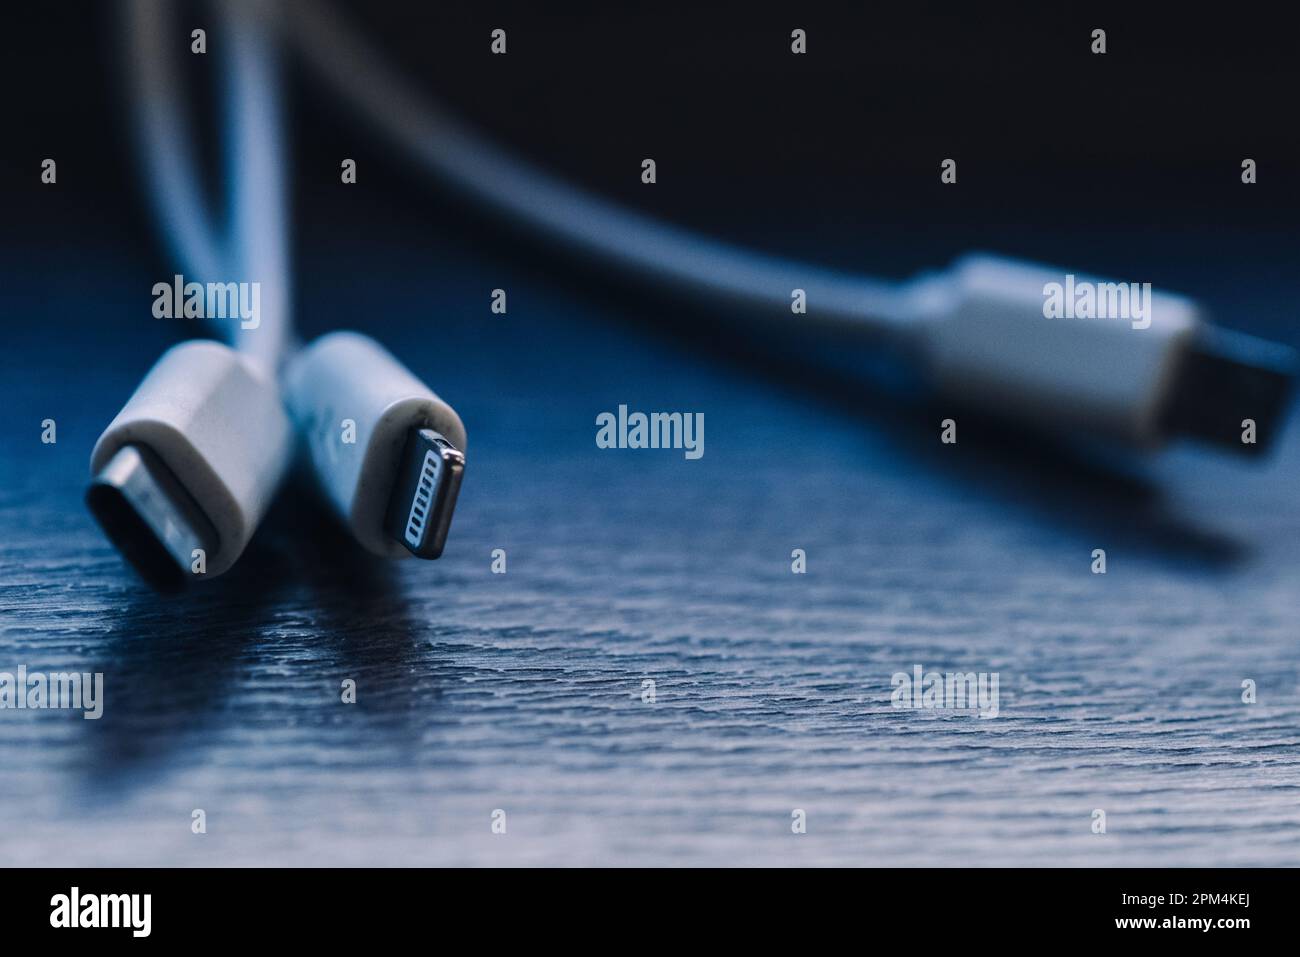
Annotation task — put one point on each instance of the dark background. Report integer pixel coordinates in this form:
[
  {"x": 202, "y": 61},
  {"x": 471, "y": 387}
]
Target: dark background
[
  {"x": 834, "y": 154},
  {"x": 522, "y": 691}
]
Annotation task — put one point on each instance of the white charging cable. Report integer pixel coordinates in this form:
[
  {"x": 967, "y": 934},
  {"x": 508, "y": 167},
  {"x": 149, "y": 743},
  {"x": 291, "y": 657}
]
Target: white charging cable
[
  {"x": 186, "y": 471},
  {"x": 190, "y": 464},
  {"x": 983, "y": 330}
]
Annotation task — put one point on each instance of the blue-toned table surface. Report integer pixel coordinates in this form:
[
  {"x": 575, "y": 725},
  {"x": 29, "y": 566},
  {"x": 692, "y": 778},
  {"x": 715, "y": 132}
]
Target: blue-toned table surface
[{"x": 523, "y": 691}]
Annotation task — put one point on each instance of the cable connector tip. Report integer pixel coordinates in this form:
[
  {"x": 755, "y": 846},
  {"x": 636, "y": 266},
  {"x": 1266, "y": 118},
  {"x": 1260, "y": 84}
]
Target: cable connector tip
[
  {"x": 424, "y": 493},
  {"x": 1232, "y": 390},
  {"x": 152, "y": 520}
]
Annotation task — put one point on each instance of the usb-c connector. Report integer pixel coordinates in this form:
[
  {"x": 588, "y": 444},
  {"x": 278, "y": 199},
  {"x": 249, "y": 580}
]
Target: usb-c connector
[
  {"x": 187, "y": 469},
  {"x": 148, "y": 515}
]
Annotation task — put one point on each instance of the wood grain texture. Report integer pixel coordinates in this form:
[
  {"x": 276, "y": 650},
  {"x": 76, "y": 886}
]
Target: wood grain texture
[{"x": 522, "y": 691}]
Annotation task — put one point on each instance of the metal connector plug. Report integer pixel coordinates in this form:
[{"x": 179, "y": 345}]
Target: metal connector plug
[
  {"x": 424, "y": 493},
  {"x": 149, "y": 516},
  {"x": 1225, "y": 380}
]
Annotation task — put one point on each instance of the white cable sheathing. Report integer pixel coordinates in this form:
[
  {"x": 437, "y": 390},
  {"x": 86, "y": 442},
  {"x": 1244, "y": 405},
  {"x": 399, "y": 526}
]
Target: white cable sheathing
[
  {"x": 215, "y": 420},
  {"x": 346, "y": 386}
]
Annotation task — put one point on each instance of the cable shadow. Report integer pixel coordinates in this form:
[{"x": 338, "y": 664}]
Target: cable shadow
[
  {"x": 361, "y": 620},
  {"x": 169, "y": 664},
  {"x": 262, "y": 649},
  {"x": 1071, "y": 482}
]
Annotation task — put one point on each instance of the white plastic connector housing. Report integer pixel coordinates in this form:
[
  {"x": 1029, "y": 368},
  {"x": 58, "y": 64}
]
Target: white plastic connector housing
[
  {"x": 988, "y": 341},
  {"x": 347, "y": 385},
  {"x": 216, "y": 421}
]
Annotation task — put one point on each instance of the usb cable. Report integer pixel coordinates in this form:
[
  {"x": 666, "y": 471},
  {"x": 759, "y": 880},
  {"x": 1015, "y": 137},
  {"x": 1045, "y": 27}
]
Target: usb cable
[
  {"x": 185, "y": 472},
  {"x": 183, "y": 475},
  {"x": 978, "y": 330}
]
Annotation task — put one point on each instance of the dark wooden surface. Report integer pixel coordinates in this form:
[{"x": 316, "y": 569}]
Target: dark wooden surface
[{"x": 522, "y": 691}]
